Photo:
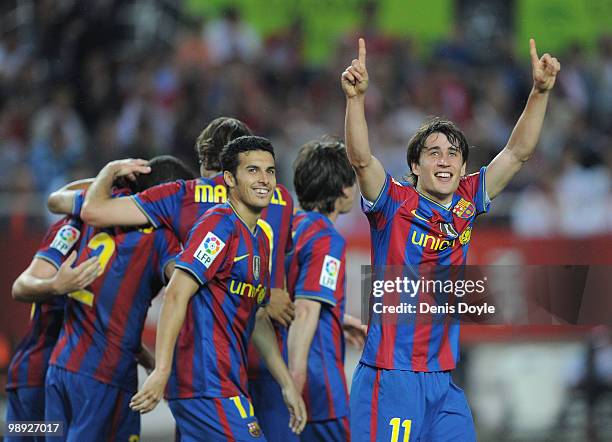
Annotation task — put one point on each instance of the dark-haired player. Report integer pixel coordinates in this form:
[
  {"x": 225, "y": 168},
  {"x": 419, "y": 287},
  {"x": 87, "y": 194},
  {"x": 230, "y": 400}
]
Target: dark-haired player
[
  {"x": 402, "y": 388},
  {"x": 92, "y": 372},
  {"x": 223, "y": 273},
  {"x": 316, "y": 276}
]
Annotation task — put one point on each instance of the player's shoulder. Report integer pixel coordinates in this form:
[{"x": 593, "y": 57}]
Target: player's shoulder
[
  {"x": 468, "y": 184},
  {"x": 220, "y": 216}
]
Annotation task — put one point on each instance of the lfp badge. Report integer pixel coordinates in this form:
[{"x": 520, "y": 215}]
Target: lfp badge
[{"x": 329, "y": 272}]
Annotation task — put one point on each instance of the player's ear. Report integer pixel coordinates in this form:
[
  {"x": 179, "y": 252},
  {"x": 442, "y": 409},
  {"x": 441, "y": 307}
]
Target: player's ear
[
  {"x": 463, "y": 167},
  {"x": 416, "y": 169},
  {"x": 229, "y": 179}
]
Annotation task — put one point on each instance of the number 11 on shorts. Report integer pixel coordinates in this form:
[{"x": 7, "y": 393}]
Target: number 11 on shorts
[{"x": 396, "y": 423}]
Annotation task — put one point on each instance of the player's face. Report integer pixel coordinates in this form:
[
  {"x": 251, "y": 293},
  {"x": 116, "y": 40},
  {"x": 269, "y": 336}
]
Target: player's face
[
  {"x": 345, "y": 203},
  {"x": 439, "y": 168},
  {"x": 255, "y": 179}
]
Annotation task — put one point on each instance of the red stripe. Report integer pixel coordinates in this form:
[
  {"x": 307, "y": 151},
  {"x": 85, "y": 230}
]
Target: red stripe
[
  {"x": 374, "y": 415},
  {"x": 422, "y": 329},
  {"x": 395, "y": 257},
  {"x": 220, "y": 338},
  {"x": 328, "y": 393},
  {"x": 36, "y": 360},
  {"x": 227, "y": 431},
  {"x": 319, "y": 249},
  {"x": 347, "y": 428}
]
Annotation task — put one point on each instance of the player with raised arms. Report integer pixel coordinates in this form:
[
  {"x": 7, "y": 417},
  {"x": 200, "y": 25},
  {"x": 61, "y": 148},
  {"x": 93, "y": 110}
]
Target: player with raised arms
[
  {"x": 402, "y": 387},
  {"x": 224, "y": 273}
]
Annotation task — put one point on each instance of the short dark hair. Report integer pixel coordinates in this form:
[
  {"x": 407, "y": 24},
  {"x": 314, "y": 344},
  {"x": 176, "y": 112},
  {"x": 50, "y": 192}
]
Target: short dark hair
[
  {"x": 417, "y": 142},
  {"x": 321, "y": 172},
  {"x": 217, "y": 134},
  {"x": 164, "y": 168},
  {"x": 229, "y": 154}
]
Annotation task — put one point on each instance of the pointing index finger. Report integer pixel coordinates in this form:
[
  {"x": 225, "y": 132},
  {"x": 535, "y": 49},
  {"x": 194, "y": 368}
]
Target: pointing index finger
[
  {"x": 533, "y": 52},
  {"x": 362, "y": 52}
]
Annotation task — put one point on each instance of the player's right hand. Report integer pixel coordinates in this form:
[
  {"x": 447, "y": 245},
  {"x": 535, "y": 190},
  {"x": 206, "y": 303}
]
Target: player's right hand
[
  {"x": 280, "y": 308},
  {"x": 68, "y": 279},
  {"x": 151, "y": 393},
  {"x": 128, "y": 168},
  {"x": 355, "y": 77},
  {"x": 297, "y": 408}
]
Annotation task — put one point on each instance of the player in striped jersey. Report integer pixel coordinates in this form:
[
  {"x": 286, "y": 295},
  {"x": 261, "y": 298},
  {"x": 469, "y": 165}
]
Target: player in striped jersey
[
  {"x": 325, "y": 185},
  {"x": 424, "y": 224},
  {"x": 47, "y": 278},
  {"x": 225, "y": 264},
  {"x": 92, "y": 371}
]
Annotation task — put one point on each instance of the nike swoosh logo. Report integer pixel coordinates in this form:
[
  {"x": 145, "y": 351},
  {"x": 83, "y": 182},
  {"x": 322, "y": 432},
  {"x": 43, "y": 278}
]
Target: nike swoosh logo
[
  {"x": 240, "y": 258},
  {"x": 418, "y": 216}
]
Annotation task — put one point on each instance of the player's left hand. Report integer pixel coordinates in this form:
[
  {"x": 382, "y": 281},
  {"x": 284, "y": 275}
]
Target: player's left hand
[
  {"x": 151, "y": 392},
  {"x": 297, "y": 408},
  {"x": 354, "y": 331},
  {"x": 281, "y": 309},
  {"x": 544, "y": 69}
]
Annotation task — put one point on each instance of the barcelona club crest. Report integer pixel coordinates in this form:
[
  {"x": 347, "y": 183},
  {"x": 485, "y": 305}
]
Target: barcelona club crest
[
  {"x": 256, "y": 266},
  {"x": 254, "y": 429},
  {"x": 464, "y": 209}
]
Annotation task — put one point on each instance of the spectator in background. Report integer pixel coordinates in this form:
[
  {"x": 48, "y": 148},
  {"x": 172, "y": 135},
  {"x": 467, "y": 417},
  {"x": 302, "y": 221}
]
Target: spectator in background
[{"x": 229, "y": 38}]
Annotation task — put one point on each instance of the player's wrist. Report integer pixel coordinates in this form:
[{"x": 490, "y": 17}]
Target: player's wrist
[{"x": 356, "y": 98}]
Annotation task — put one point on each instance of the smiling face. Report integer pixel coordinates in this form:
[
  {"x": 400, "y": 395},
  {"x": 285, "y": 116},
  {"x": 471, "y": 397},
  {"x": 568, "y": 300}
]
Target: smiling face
[
  {"x": 439, "y": 168},
  {"x": 254, "y": 181}
]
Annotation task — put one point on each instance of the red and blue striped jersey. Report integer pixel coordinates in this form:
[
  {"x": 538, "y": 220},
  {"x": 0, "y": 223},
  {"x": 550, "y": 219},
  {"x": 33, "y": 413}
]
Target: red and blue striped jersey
[
  {"x": 316, "y": 270},
  {"x": 29, "y": 364},
  {"x": 231, "y": 264},
  {"x": 410, "y": 230},
  {"x": 178, "y": 206},
  {"x": 103, "y": 323}
]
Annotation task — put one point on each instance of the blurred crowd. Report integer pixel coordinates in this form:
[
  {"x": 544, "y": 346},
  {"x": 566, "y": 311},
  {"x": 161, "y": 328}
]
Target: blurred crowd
[{"x": 74, "y": 94}]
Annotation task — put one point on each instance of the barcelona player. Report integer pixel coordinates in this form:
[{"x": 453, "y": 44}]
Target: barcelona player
[
  {"x": 49, "y": 276},
  {"x": 92, "y": 372},
  {"x": 224, "y": 273},
  {"x": 178, "y": 206},
  {"x": 402, "y": 388},
  {"x": 316, "y": 277}
]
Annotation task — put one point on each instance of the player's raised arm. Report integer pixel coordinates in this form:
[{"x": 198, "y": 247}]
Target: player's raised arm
[
  {"x": 526, "y": 133},
  {"x": 264, "y": 339},
  {"x": 101, "y": 210},
  {"x": 172, "y": 316},
  {"x": 62, "y": 200},
  {"x": 370, "y": 173}
]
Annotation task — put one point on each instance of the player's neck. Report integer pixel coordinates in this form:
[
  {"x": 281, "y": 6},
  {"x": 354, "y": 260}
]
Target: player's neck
[
  {"x": 443, "y": 200},
  {"x": 246, "y": 214},
  {"x": 332, "y": 216},
  {"x": 208, "y": 173}
]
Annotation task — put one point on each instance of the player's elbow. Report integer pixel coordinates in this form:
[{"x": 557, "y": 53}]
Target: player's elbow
[
  {"x": 54, "y": 202},
  {"x": 17, "y": 292},
  {"x": 360, "y": 163},
  {"x": 92, "y": 215}
]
